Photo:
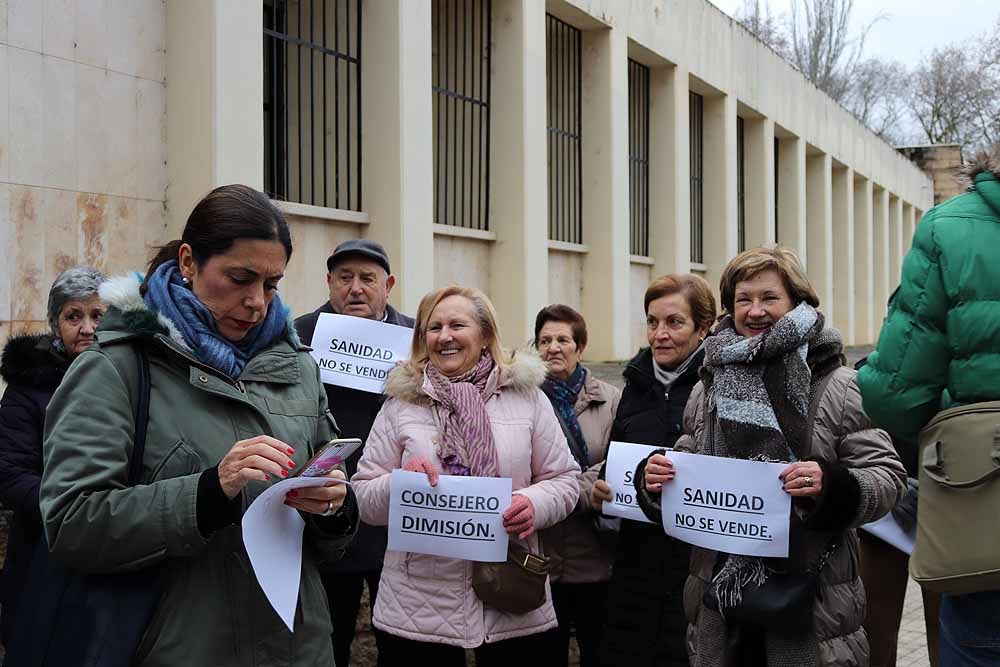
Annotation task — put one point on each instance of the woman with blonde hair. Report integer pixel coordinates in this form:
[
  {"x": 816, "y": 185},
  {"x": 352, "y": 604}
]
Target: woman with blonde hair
[
  {"x": 774, "y": 388},
  {"x": 462, "y": 405}
]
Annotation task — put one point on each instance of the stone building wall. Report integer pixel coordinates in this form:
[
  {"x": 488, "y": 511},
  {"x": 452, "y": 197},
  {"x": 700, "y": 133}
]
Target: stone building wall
[
  {"x": 943, "y": 163},
  {"x": 82, "y": 143}
]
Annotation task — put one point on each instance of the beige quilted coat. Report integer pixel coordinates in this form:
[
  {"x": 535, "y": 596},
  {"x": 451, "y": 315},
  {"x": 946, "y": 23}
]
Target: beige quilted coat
[
  {"x": 577, "y": 553},
  {"x": 430, "y": 598}
]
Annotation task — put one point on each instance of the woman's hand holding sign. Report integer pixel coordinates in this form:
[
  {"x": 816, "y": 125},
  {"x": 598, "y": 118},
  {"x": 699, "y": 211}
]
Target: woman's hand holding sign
[
  {"x": 420, "y": 464},
  {"x": 519, "y": 518},
  {"x": 802, "y": 479},
  {"x": 659, "y": 469},
  {"x": 600, "y": 493}
]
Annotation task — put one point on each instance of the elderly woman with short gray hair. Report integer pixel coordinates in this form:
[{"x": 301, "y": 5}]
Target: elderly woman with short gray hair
[{"x": 33, "y": 366}]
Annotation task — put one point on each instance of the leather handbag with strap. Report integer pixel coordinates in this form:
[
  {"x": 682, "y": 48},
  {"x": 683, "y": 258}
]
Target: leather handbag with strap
[
  {"x": 89, "y": 620},
  {"x": 957, "y": 548},
  {"x": 515, "y": 586}
]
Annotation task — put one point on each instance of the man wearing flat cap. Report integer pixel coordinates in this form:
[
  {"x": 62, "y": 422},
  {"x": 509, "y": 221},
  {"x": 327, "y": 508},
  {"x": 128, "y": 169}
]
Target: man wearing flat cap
[{"x": 360, "y": 279}]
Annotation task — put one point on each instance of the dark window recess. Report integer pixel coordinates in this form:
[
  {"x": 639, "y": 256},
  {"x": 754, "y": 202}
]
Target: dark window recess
[
  {"x": 461, "y": 86},
  {"x": 638, "y": 157},
  {"x": 563, "y": 50},
  {"x": 312, "y": 102},
  {"x": 777, "y": 189},
  {"x": 741, "y": 185},
  {"x": 696, "y": 110}
]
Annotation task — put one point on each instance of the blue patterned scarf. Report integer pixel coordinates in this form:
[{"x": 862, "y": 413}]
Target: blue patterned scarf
[
  {"x": 167, "y": 294},
  {"x": 563, "y": 395}
]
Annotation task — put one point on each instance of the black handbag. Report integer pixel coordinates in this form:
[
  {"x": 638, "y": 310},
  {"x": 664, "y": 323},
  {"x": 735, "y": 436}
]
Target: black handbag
[
  {"x": 88, "y": 620},
  {"x": 783, "y": 604}
]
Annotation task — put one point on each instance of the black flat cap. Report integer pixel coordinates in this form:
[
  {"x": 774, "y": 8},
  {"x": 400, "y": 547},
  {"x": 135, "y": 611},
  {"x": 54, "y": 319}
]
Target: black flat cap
[{"x": 359, "y": 248}]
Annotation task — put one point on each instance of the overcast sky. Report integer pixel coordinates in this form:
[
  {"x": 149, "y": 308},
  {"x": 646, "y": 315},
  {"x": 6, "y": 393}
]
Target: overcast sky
[{"x": 910, "y": 27}]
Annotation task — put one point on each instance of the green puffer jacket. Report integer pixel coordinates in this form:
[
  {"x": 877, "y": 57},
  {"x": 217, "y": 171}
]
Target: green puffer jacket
[
  {"x": 940, "y": 344},
  {"x": 212, "y": 611}
]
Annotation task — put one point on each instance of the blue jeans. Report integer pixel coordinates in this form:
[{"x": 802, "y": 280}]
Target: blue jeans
[{"x": 970, "y": 630}]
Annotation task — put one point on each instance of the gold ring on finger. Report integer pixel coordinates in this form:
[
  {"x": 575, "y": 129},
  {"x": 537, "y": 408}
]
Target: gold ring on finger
[{"x": 808, "y": 480}]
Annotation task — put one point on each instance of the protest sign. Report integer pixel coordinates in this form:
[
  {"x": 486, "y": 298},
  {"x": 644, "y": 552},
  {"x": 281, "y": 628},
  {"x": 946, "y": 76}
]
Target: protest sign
[
  {"x": 623, "y": 457},
  {"x": 730, "y": 505},
  {"x": 888, "y": 530},
  {"x": 461, "y": 517},
  {"x": 272, "y": 535},
  {"x": 358, "y": 353}
]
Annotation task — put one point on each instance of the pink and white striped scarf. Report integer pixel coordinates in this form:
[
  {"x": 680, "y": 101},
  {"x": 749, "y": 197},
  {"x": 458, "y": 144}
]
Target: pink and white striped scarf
[{"x": 466, "y": 446}]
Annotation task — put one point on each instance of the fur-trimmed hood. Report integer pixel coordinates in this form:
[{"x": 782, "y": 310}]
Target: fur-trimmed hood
[
  {"x": 122, "y": 294},
  {"x": 32, "y": 361},
  {"x": 984, "y": 162},
  {"x": 408, "y": 383}
]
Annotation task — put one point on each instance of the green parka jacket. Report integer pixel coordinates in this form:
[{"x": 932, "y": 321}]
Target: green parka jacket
[
  {"x": 212, "y": 611},
  {"x": 940, "y": 343}
]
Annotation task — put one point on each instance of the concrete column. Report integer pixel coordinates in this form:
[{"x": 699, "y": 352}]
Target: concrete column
[
  {"x": 819, "y": 217},
  {"x": 518, "y": 193},
  {"x": 864, "y": 280},
  {"x": 215, "y": 98},
  {"x": 606, "y": 266},
  {"x": 720, "y": 218},
  {"x": 791, "y": 229},
  {"x": 397, "y": 141},
  {"x": 759, "y": 175},
  {"x": 895, "y": 240},
  {"x": 843, "y": 252},
  {"x": 880, "y": 241},
  {"x": 909, "y": 227},
  {"x": 669, "y": 170}
]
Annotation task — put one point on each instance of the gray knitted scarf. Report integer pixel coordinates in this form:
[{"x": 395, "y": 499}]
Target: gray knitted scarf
[{"x": 757, "y": 398}]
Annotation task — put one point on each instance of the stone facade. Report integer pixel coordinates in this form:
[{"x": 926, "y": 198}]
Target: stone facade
[
  {"x": 82, "y": 143},
  {"x": 943, "y": 162}
]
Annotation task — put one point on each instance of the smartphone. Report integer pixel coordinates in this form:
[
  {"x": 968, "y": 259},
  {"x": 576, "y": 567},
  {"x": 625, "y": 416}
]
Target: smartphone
[{"x": 329, "y": 456}]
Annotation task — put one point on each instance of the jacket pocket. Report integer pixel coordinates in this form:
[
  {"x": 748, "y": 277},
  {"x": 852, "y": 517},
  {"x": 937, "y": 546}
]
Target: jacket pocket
[
  {"x": 180, "y": 460},
  {"x": 292, "y": 407}
]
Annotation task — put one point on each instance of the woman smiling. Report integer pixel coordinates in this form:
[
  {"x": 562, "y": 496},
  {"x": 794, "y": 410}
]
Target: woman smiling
[{"x": 463, "y": 406}]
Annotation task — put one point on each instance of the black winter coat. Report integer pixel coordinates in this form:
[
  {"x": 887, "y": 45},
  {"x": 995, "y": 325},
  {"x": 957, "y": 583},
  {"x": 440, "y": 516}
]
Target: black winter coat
[
  {"x": 32, "y": 369},
  {"x": 355, "y": 412},
  {"x": 646, "y": 625}
]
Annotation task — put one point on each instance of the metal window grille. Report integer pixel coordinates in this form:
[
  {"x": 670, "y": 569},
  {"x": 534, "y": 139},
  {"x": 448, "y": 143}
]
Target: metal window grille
[
  {"x": 312, "y": 102},
  {"x": 741, "y": 189},
  {"x": 563, "y": 51},
  {"x": 461, "y": 86},
  {"x": 638, "y": 157},
  {"x": 777, "y": 152},
  {"x": 696, "y": 110}
]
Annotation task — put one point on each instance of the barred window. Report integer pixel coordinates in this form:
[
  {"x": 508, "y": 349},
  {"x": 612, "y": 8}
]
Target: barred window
[
  {"x": 696, "y": 109},
  {"x": 563, "y": 49},
  {"x": 461, "y": 86},
  {"x": 312, "y": 102},
  {"x": 638, "y": 157},
  {"x": 777, "y": 171},
  {"x": 741, "y": 190}
]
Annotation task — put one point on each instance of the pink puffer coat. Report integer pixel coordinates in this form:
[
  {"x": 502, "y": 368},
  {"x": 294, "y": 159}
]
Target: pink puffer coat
[{"x": 430, "y": 598}]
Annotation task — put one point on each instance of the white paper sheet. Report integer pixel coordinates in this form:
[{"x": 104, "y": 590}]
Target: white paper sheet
[
  {"x": 623, "y": 457},
  {"x": 272, "y": 535},
  {"x": 358, "y": 353},
  {"x": 461, "y": 517},
  {"x": 730, "y": 505},
  {"x": 888, "y": 530}
]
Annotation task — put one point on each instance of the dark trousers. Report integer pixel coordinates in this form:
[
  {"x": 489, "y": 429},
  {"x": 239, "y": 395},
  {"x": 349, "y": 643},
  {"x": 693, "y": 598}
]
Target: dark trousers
[
  {"x": 885, "y": 574},
  {"x": 396, "y": 651},
  {"x": 344, "y": 593},
  {"x": 580, "y": 607}
]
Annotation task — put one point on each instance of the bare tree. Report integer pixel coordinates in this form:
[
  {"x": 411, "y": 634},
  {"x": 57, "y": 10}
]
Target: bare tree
[
  {"x": 876, "y": 94},
  {"x": 822, "y": 46},
  {"x": 766, "y": 26}
]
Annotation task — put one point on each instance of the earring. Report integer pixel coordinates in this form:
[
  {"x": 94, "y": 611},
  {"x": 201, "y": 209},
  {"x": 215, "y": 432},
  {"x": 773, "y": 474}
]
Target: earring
[{"x": 185, "y": 281}]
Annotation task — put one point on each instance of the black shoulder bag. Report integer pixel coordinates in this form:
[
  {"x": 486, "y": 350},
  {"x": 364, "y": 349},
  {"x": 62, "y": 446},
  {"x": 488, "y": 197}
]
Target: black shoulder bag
[
  {"x": 783, "y": 604},
  {"x": 88, "y": 620}
]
